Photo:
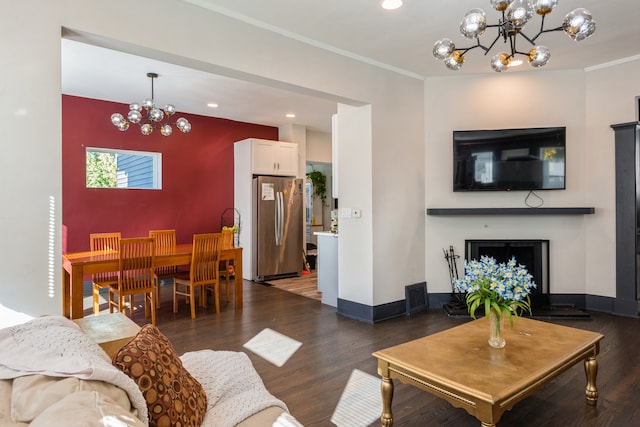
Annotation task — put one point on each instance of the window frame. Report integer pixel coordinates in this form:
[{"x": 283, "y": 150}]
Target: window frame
[{"x": 156, "y": 175}]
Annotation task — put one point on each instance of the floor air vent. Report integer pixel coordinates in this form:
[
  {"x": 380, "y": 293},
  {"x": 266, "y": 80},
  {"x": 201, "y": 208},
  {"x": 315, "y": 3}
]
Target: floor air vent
[{"x": 416, "y": 298}]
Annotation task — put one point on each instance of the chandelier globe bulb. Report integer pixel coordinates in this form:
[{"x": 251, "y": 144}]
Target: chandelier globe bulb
[
  {"x": 579, "y": 24},
  {"x": 148, "y": 104},
  {"x": 544, "y": 7},
  {"x": 146, "y": 129},
  {"x": 183, "y": 125},
  {"x": 166, "y": 130},
  {"x": 116, "y": 119},
  {"x": 519, "y": 12},
  {"x": 454, "y": 61},
  {"x": 539, "y": 56},
  {"x": 473, "y": 24},
  {"x": 443, "y": 48},
  {"x": 134, "y": 116},
  {"x": 156, "y": 115},
  {"x": 500, "y": 62},
  {"x": 500, "y": 5}
]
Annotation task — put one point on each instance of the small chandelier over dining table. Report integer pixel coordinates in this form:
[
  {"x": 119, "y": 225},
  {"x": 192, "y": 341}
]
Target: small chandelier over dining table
[
  {"x": 155, "y": 117},
  {"x": 578, "y": 25}
]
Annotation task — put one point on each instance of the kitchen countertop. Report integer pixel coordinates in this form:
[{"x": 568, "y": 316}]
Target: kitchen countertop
[{"x": 325, "y": 233}]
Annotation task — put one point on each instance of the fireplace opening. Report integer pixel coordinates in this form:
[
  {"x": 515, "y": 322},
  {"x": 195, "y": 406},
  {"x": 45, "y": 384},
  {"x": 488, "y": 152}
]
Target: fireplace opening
[{"x": 533, "y": 254}]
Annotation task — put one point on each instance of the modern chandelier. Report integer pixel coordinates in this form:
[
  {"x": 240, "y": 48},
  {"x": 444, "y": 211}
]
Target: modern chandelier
[
  {"x": 155, "y": 117},
  {"x": 578, "y": 25}
]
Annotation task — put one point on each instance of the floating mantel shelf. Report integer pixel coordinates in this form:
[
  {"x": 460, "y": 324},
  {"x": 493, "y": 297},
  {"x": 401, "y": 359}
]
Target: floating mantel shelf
[{"x": 510, "y": 211}]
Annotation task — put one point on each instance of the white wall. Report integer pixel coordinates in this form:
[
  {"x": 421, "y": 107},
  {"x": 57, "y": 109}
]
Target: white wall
[
  {"x": 582, "y": 247},
  {"x": 198, "y": 38},
  {"x": 398, "y": 174},
  {"x": 318, "y": 147},
  {"x": 610, "y": 99},
  {"x": 31, "y": 163},
  {"x": 355, "y": 262}
]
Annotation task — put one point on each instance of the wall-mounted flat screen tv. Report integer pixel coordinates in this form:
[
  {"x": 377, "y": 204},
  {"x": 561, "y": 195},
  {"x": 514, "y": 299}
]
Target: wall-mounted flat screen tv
[{"x": 509, "y": 159}]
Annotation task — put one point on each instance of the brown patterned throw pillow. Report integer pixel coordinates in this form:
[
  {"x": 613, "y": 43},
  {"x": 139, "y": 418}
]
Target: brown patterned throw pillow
[{"x": 174, "y": 397}]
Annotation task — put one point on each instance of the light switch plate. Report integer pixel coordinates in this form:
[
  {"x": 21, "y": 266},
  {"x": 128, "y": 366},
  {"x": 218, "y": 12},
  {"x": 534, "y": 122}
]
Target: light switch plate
[
  {"x": 345, "y": 212},
  {"x": 356, "y": 212}
]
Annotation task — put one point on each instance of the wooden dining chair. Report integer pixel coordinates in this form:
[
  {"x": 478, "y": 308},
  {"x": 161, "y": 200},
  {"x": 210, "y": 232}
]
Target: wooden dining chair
[
  {"x": 136, "y": 275},
  {"x": 165, "y": 243},
  {"x": 203, "y": 272},
  {"x": 226, "y": 269},
  {"x": 103, "y": 242}
]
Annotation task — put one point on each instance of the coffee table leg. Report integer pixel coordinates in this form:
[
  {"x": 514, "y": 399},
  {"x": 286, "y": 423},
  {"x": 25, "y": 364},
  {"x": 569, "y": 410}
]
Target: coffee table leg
[
  {"x": 386, "y": 387},
  {"x": 591, "y": 369}
]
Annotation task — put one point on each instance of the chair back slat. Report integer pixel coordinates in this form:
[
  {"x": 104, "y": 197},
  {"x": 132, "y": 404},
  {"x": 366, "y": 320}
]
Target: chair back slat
[
  {"x": 205, "y": 258},
  {"x": 165, "y": 244},
  {"x": 104, "y": 242},
  {"x": 137, "y": 265},
  {"x": 165, "y": 240}
]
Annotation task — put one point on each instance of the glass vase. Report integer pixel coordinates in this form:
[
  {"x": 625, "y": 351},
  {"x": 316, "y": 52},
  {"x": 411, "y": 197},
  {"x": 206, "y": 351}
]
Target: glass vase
[{"x": 496, "y": 340}]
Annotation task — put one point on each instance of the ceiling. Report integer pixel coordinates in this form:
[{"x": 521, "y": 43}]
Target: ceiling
[{"x": 399, "y": 40}]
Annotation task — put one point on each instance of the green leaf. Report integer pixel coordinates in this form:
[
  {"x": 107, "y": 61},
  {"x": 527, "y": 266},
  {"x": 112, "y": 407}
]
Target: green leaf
[
  {"x": 319, "y": 181},
  {"x": 508, "y": 314},
  {"x": 473, "y": 307},
  {"x": 494, "y": 305}
]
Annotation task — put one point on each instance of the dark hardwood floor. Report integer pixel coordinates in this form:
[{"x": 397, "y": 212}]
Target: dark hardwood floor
[{"x": 312, "y": 380}]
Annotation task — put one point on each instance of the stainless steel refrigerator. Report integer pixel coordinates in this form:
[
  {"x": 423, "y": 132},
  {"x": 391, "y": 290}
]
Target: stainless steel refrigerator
[{"x": 278, "y": 220}]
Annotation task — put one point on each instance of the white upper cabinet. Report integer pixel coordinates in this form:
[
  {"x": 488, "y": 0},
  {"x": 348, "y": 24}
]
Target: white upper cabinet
[{"x": 273, "y": 157}]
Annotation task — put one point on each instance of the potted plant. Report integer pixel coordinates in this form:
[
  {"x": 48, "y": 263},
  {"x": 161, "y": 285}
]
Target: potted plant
[{"x": 319, "y": 181}]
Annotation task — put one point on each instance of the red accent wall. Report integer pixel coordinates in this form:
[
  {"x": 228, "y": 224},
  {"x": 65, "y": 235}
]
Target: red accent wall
[{"x": 197, "y": 174}]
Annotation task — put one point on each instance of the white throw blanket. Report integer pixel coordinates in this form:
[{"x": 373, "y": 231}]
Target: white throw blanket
[
  {"x": 55, "y": 346},
  {"x": 234, "y": 389}
]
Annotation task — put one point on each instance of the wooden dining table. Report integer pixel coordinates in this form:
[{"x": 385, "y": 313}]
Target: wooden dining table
[{"x": 76, "y": 265}]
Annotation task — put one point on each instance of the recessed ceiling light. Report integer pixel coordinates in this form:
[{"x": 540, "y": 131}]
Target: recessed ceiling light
[
  {"x": 391, "y": 4},
  {"x": 212, "y": 105},
  {"x": 290, "y": 115}
]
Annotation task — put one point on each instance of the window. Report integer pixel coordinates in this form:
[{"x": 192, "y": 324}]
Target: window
[{"x": 123, "y": 169}]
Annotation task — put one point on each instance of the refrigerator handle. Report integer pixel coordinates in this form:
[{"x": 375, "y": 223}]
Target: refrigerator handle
[
  {"x": 278, "y": 218},
  {"x": 281, "y": 217},
  {"x": 276, "y": 207}
]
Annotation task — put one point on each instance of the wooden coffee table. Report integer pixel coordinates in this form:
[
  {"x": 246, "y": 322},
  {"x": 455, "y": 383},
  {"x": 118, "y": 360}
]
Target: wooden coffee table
[
  {"x": 110, "y": 330},
  {"x": 459, "y": 366}
]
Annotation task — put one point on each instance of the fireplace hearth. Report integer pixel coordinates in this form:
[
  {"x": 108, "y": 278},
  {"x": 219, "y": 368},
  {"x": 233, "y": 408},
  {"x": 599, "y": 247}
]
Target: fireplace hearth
[{"x": 534, "y": 255}]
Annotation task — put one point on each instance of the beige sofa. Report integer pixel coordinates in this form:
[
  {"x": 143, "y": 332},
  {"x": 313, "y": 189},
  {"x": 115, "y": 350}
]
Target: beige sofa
[{"x": 52, "y": 374}]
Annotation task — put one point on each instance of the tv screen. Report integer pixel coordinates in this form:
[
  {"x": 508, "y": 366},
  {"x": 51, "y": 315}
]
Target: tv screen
[{"x": 509, "y": 159}]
